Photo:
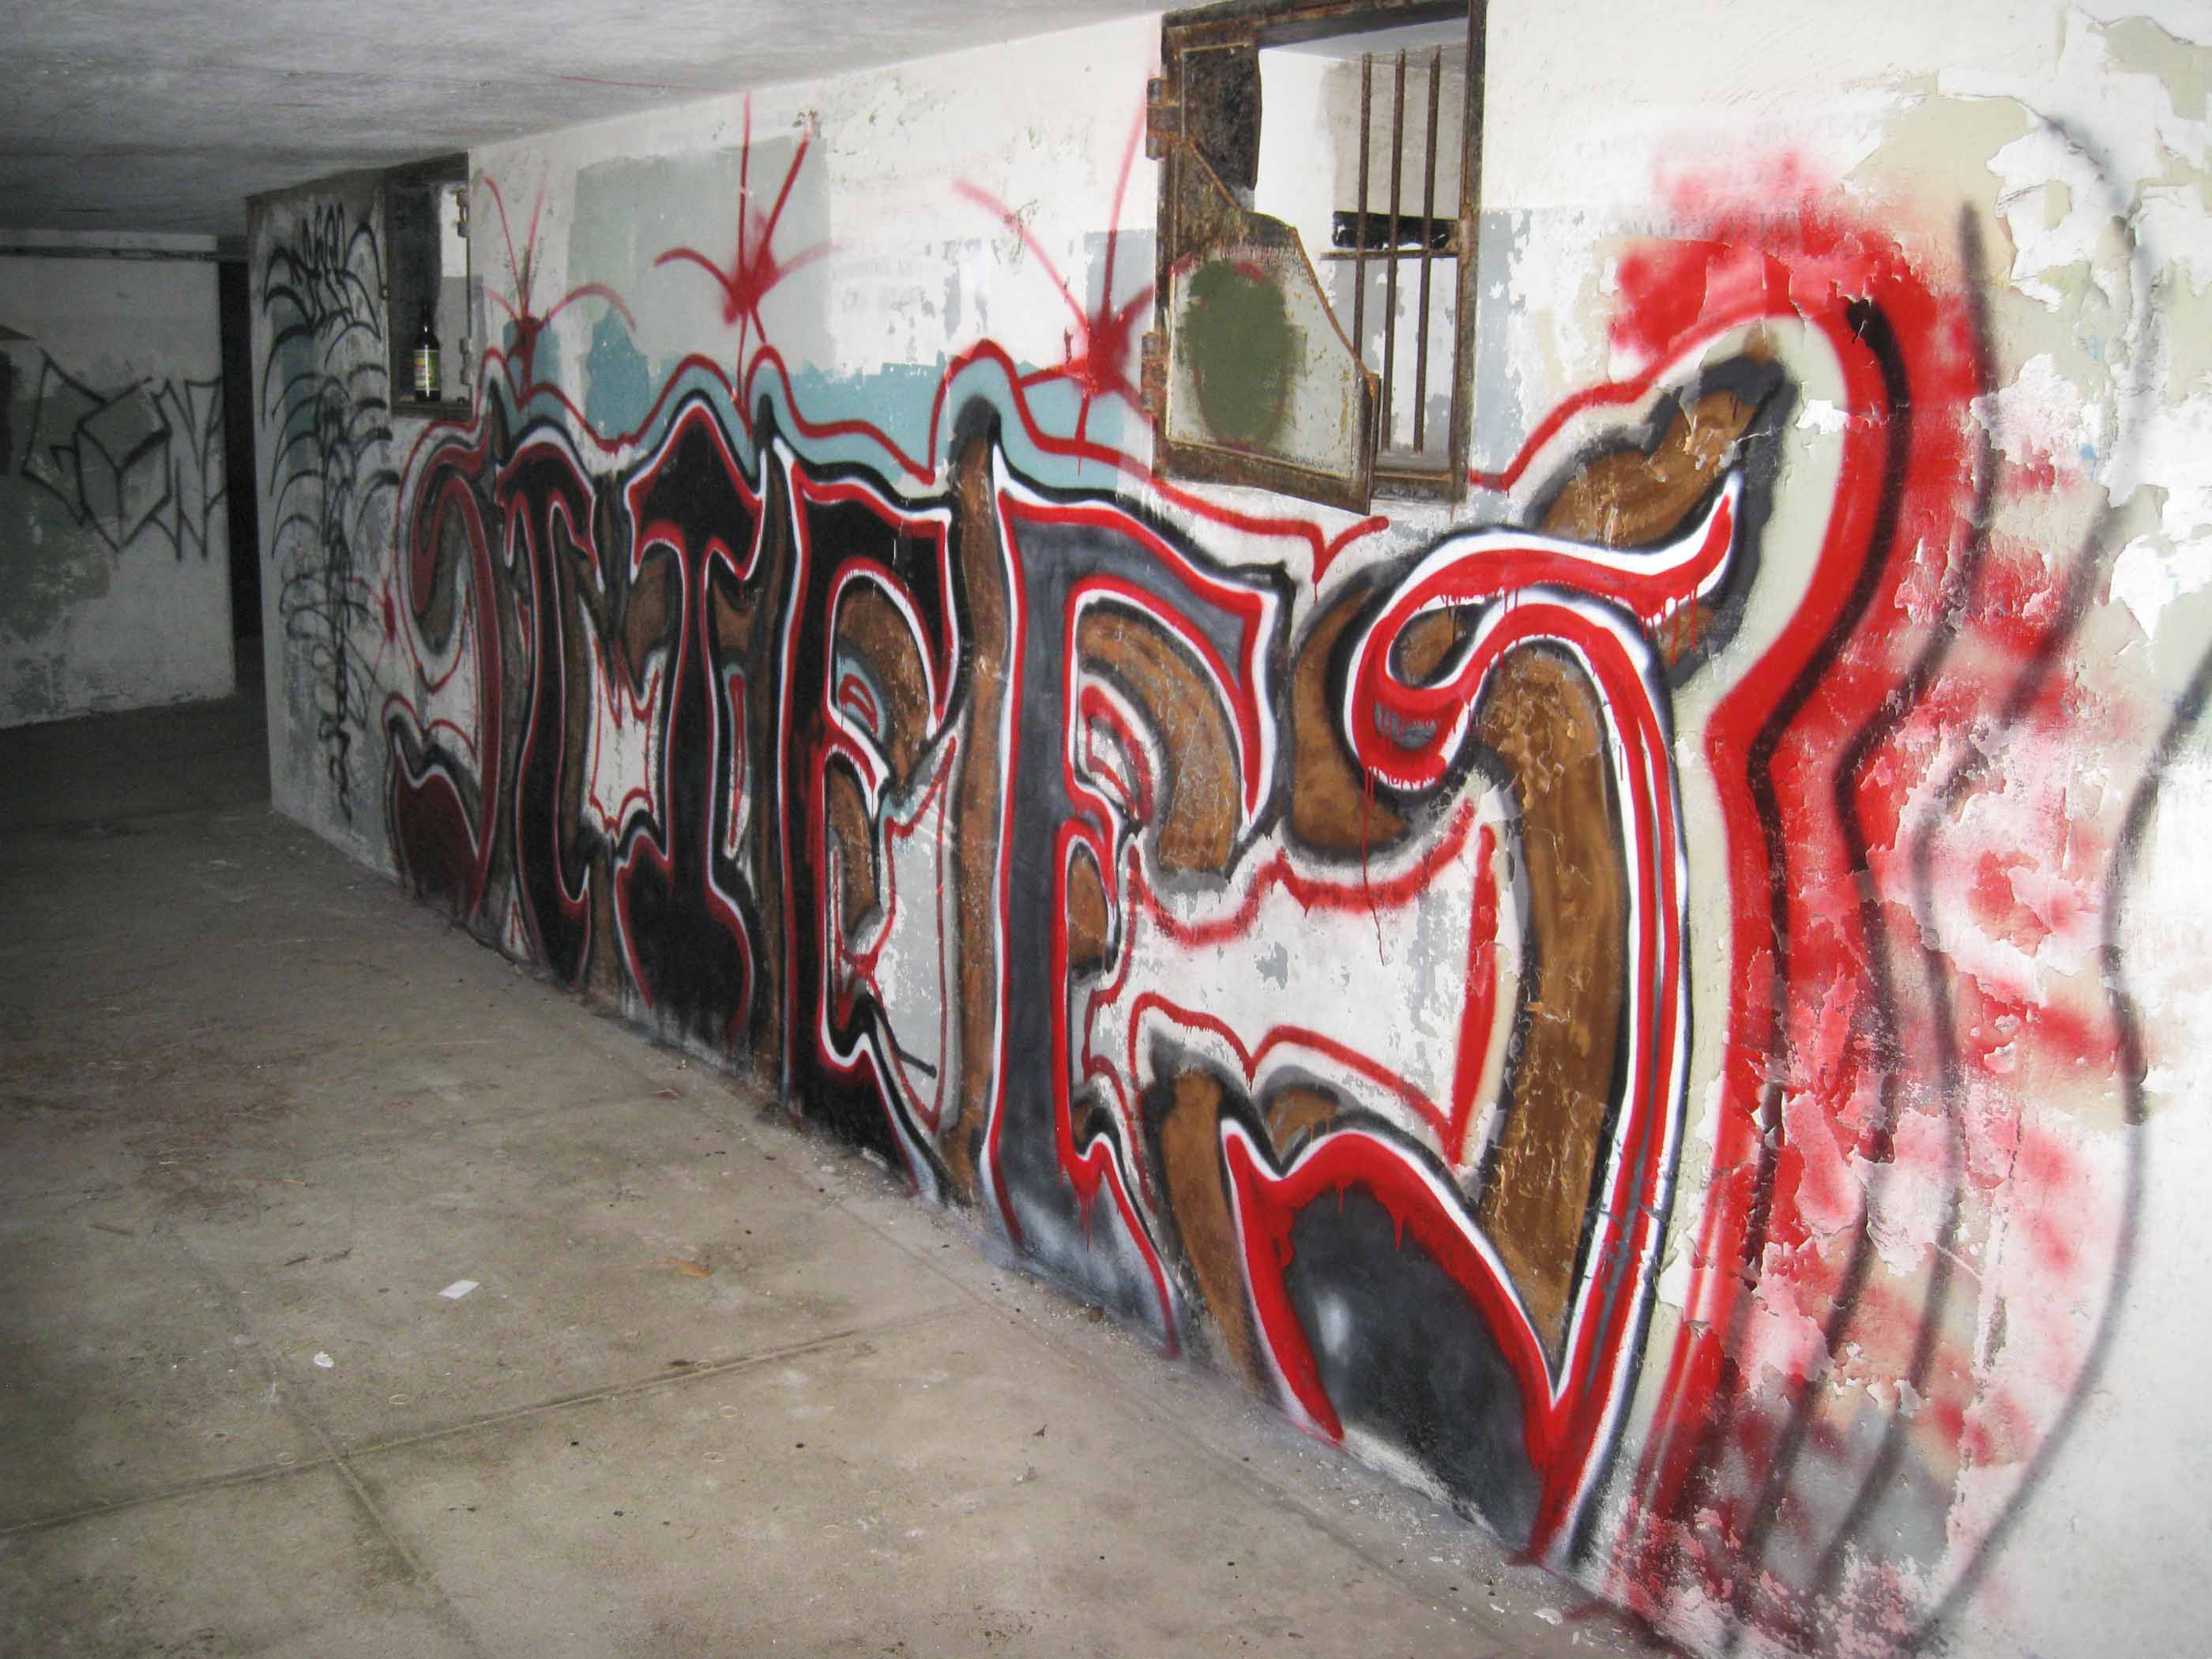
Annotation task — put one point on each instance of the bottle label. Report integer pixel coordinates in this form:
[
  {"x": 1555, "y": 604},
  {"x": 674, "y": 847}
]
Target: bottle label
[{"x": 426, "y": 373}]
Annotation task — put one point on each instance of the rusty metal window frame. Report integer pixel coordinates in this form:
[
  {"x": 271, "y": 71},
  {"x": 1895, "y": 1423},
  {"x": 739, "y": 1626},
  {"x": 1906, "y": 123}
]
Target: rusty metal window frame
[{"x": 1246, "y": 26}]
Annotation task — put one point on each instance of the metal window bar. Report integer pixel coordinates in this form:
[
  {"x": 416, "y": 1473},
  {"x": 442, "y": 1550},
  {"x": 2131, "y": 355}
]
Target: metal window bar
[
  {"x": 1428, "y": 218},
  {"x": 1359, "y": 242},
  {"x": 1390, "y": 270},
  {"x": 1393, "y": 250}
]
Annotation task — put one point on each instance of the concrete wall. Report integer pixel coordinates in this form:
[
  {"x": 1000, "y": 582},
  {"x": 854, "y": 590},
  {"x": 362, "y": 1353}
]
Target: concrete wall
[
  {"x": 1665, "y": 1005},
  {"x": 324, "y": 442},
  {"x": 114, "y": 556}
]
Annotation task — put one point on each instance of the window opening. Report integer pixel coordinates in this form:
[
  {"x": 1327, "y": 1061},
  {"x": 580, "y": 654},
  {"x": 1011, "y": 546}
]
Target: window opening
[
  {"x": 426, "y": 279},
  {"x": 1330, "y": 153},
  {"x": 1362, "y": 183}
]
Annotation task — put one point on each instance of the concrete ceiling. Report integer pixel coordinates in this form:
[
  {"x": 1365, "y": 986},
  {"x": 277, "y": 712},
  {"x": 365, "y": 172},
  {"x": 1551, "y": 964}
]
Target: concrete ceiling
[{"x": 164, "y": 115}]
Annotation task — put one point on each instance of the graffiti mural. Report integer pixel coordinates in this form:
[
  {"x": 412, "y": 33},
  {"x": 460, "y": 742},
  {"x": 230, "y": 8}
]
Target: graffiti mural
[
  {"x": 141, "y": 465},
  {"x": 1590, "y": 999},
  {"x": 325, "y": 408},
  {"x": 113, "y": 489},
  {"x": 724, "y": 684}
]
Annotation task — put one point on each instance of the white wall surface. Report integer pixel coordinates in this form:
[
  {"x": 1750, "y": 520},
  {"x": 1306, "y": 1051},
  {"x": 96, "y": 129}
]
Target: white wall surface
[{"x": 114, "y": 552}]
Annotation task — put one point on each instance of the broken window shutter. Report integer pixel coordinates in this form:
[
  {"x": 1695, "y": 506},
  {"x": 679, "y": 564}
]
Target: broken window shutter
[
  {"x": 1221, "y": 101},
  {"x": 1249, "y": 377}
]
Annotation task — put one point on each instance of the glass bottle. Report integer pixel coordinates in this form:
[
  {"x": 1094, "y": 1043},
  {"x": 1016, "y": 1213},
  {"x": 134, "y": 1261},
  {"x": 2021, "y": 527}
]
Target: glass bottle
[{"x": 426, "y": 359}]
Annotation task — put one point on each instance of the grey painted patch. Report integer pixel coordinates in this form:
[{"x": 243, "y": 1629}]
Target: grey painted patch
[
  {"x": 1500, "y": 422},
  {"x": 1133, "y": 266},
  {"x": 1274, "y": 965},
  {"x": 1438, "y": 941},
  {"x": 634, "y": 213}
]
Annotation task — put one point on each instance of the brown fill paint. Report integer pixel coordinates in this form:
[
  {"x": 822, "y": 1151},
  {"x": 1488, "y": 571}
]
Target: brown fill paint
[
  {"x": 645, "y": 614},
  {"x": 1189, "y": 1139},
  {"x": 857, "y": 888},
  {"x": 451, "y": 571},
  {"x": 569, "y": 561},
  {"x": 1423, "y": 642},
  {"x": 1542, "y": 718},
  {"x": 978, "y": 802},
  {"x": 762, "y": 771},
  {"x": 1331, "y": 806},
  {"x": 1086, "y": 912},
  {"x": 1630, "y": 497},
  {"x": 1295, "y": 1113},
  {"x": 870, "y": 626},
  {"x": 1197, "y": 801},
  {"x": 733, "y": 621}
]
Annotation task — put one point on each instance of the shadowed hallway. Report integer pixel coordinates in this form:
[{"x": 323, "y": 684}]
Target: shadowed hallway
[{"x": 719, "y": 1388}]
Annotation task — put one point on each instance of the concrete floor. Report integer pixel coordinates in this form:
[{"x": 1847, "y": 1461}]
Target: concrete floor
[{"x": 720, "y": 1388}]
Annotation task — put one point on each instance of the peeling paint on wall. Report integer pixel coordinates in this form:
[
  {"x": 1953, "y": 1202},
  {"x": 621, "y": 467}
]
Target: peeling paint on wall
[{"x": 1629, "y": 1005}]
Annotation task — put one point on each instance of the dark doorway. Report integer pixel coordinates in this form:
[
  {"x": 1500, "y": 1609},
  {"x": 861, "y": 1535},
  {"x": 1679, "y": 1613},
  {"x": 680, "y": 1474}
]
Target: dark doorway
[{"x": 233, "y": 303}]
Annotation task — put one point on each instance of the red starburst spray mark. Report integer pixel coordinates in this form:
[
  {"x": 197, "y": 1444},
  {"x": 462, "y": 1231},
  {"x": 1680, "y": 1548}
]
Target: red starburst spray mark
[
  {"x": 1096, "y": 349},
  {"x": 755, "y": 269},
  {"x": 520, "y": 307}
]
